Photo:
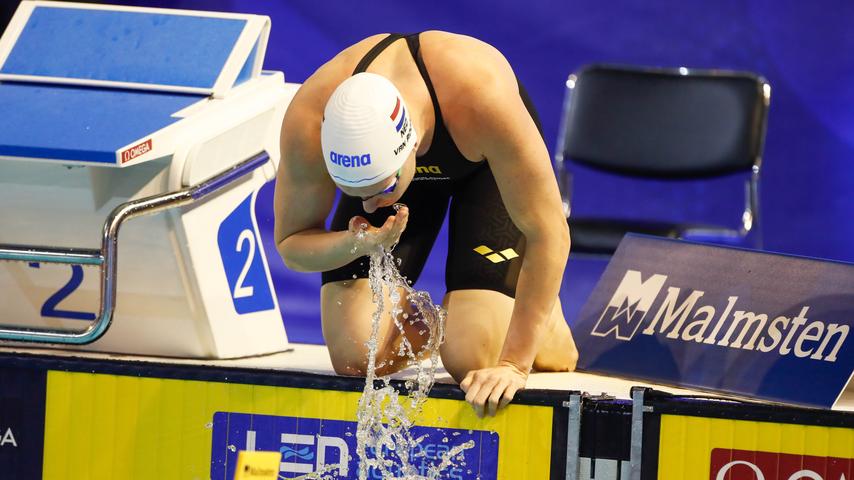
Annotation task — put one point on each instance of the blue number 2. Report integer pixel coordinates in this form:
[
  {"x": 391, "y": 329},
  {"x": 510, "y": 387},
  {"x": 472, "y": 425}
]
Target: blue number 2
[{"x": 49, "y": 308}]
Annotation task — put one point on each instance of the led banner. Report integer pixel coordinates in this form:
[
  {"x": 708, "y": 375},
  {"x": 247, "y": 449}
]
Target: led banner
[
  {"x": 762, "y": 325},
  {"x": 310, "y": 445}
]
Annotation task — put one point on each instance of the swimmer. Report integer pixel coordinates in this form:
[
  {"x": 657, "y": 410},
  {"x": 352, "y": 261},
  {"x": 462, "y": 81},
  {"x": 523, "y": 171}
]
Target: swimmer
[{"x": 408, "y": 128}]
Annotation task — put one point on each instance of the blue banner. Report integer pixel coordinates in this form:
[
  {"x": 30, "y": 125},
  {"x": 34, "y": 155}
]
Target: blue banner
[
  {"x": 757, "y": 324},
  {"x": 316, "y": 445},
  {"x": 22, "y": 402}
]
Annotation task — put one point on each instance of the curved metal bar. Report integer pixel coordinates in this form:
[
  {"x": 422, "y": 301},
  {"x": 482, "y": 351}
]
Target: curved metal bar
[
  {"x": 24, "y": 253},
  {"x": 107, "y": 258}
]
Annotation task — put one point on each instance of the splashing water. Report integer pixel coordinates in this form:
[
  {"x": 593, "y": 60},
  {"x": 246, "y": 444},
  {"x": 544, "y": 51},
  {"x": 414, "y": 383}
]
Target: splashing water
[{"x": 385, "y": 444}]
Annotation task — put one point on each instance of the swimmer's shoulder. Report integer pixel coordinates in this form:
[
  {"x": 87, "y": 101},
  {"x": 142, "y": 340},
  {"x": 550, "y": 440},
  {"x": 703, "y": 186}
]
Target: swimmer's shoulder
[
  {"x": 468, "y": 76},
  {"x": 456, "y": 60}
]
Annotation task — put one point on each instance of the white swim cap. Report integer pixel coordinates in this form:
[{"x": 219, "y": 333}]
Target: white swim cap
[{"x": 367, "y": 133}]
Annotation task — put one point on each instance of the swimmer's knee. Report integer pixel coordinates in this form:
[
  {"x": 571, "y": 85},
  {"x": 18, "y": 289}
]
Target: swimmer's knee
[
  {"x": 459, "y": 364},
  {"x": 347, "y": 357},
  {"x": 348, "y": 361},
  {"x": 563, "y": 361}
]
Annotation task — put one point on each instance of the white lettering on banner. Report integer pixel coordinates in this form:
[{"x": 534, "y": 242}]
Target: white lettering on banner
[
  {"x": 136, "y": 151},
  {"x": 799, "y": 475},
  {"x": 688, "y": 320},
  {"x": 8, "y": 439},
  {"x": 289, "y": 450}
]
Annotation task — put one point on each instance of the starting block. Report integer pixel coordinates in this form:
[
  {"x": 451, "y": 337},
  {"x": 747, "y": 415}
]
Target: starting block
[{"x": 109, "y": 113}]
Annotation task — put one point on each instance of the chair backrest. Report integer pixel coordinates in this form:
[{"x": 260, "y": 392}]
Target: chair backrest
[{"x": 674, "y": 123}]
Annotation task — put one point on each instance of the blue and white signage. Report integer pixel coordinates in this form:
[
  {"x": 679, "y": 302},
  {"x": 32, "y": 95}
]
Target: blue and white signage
[
  {"x": 243, "y": 260},
  {"x": 752, "y": 323},
  {"x": 312, "y": 445}
]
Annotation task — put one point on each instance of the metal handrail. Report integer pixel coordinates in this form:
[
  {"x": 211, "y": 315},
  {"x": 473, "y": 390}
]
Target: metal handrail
[{"x": 106, "y": 257}]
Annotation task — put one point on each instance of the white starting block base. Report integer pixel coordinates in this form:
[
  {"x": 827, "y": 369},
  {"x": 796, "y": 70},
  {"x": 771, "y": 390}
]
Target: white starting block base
[{"x": 79, "y": 138}]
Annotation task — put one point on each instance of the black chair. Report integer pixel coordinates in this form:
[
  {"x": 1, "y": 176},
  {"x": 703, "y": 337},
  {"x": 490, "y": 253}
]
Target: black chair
[{"x": 663, "y": 124}]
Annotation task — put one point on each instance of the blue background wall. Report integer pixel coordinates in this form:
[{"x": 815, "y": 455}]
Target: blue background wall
[{"x": 804, "y": 50}]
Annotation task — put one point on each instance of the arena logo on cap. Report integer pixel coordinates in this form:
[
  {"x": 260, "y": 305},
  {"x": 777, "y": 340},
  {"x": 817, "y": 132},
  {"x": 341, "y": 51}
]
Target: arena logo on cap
[
  {"x": 727, "y": 464},
  {"x": 350, "y": 161},
  {"x": 634, "y": 297}
]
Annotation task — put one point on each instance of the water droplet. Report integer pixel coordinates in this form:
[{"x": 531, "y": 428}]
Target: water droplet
[
  {"x": 385, "y": 415},
  {"x": 209, "y": 425},
  {"x": 232, "y": 448}
]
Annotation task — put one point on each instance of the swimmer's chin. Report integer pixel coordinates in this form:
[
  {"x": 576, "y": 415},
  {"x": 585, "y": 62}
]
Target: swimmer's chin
[{"x": 374, "y": 207}]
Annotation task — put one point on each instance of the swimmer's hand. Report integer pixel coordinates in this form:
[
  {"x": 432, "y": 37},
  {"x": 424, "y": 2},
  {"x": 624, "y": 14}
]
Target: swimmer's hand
[
  {"x": 491, "y": 389},
  {"x": 386, "y": 236}
]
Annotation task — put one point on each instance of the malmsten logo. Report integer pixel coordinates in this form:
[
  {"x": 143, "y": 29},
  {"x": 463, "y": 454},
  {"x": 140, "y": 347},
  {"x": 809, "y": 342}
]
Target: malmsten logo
[{"x": 684, "y": 317}]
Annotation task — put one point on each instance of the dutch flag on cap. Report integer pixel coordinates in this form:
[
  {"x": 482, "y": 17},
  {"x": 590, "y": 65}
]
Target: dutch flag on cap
[{"x": 394, "y": 114}]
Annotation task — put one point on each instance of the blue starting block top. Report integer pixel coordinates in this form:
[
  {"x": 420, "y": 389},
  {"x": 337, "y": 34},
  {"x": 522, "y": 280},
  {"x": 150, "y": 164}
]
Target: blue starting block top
[
  {"x": 81, "y": 124},
  {"x": 85, "y": 83}
]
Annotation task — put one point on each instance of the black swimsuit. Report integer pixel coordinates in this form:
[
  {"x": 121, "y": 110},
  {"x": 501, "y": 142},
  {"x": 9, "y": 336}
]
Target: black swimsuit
[{"x": 485, "y": 249}]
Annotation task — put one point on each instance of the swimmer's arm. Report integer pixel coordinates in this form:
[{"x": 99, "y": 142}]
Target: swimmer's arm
[
  {"x": 303, "y": 198},
  {"x": 508, "y": 138}
]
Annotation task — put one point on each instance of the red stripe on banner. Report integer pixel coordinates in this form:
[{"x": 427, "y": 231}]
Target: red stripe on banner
[{"x": 396, "y": 108}]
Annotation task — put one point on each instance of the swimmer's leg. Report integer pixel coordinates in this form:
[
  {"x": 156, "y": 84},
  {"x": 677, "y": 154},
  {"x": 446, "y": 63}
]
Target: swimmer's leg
[
  {"x": 346, "y": 313},
  {"x": 477, "y": 325}
]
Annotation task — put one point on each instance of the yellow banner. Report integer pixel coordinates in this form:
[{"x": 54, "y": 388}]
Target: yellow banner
[{"x": 110, "y": 427}]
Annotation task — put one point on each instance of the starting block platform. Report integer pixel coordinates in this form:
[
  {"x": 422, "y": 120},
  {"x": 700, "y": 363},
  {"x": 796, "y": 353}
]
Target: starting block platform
[{"x": 111, "y": 113}]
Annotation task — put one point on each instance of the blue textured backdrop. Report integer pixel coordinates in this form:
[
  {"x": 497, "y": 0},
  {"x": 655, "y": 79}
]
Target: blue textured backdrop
[{"x": 802, "y": 48}]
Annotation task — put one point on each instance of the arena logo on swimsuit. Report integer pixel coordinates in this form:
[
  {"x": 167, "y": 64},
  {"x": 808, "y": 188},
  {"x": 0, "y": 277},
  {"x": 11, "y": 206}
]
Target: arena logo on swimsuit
[
  {"x": 634, "y": 297},
  {"x": 350, "y": 161}
]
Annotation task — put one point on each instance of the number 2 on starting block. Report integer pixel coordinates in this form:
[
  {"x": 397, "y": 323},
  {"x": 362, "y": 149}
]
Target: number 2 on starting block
[{"x": 242, "y": 258}]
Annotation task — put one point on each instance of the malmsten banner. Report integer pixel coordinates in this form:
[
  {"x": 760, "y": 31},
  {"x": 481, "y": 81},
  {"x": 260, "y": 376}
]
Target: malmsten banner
[{"x": 756, "y": 324}]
